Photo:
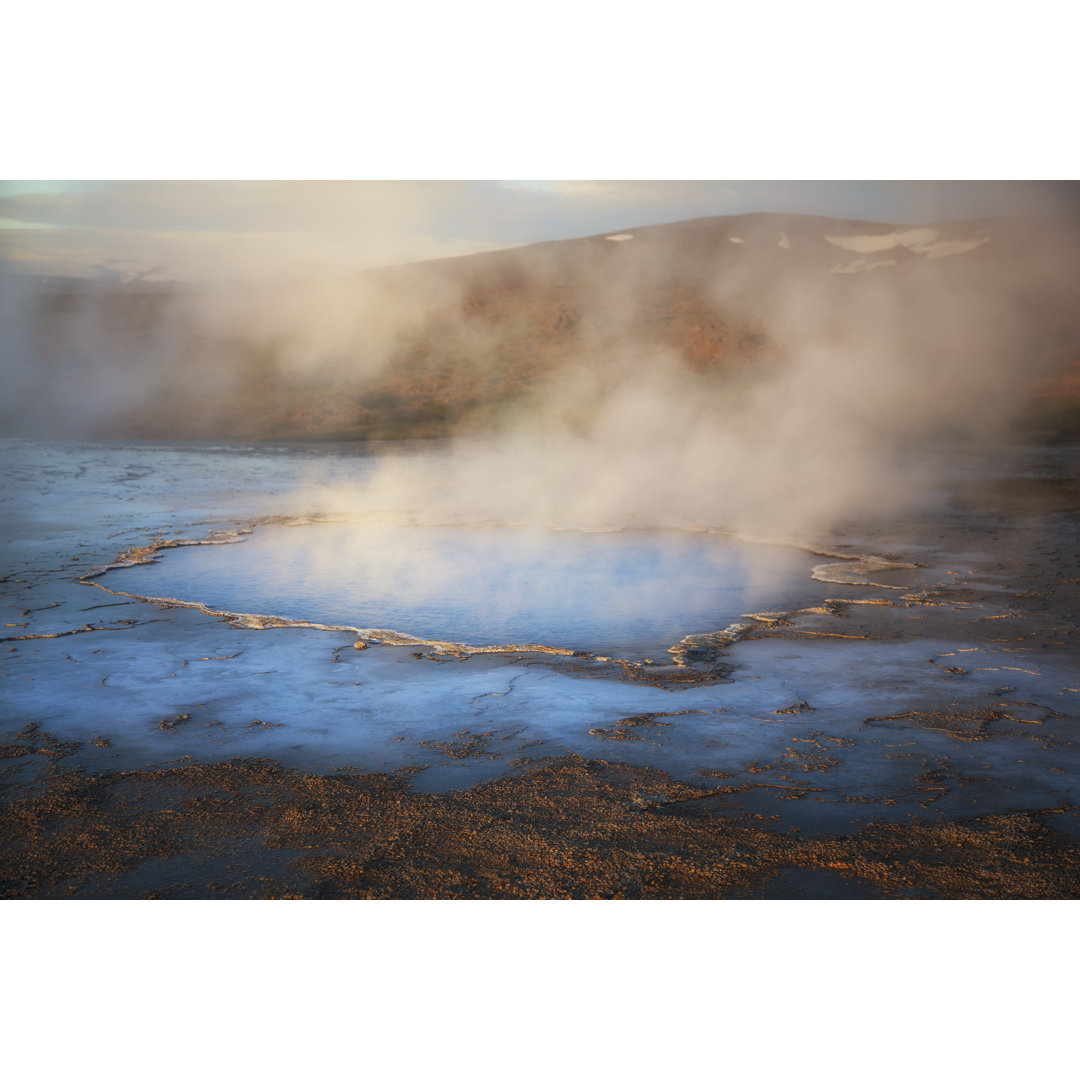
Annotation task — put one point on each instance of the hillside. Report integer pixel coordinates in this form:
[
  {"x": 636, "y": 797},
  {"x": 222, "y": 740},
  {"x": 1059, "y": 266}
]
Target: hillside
[{"x": 478, "y": 341}]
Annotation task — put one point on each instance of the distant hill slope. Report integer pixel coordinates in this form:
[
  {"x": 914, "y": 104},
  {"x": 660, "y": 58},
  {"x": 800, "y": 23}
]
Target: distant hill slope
[{"x": 478, "y": 341}]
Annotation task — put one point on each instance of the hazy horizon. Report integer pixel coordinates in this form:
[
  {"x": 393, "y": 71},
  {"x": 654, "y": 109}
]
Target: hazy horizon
[{"x": 192, "y": 231}]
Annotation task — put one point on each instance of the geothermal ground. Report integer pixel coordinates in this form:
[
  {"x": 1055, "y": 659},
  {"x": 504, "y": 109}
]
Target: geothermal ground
[{"x": 893, "y": 716}]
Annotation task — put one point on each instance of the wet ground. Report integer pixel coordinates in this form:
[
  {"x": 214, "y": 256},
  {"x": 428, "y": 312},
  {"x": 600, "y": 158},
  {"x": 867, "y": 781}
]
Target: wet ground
[{"x": 910, "y": 733}]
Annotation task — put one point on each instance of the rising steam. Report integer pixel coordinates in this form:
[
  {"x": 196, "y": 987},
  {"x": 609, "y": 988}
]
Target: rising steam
[{"x": 784, "y": 383}]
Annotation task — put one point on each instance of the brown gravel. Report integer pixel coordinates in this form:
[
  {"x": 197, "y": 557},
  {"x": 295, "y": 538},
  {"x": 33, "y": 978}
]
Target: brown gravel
[{"x": 568, "y": 828}]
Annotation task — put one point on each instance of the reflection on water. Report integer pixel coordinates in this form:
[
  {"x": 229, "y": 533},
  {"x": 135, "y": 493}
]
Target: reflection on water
[{"x": 615, "y": 592}]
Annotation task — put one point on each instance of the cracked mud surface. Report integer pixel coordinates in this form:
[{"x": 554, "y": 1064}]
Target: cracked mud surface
[{"x": 914, "y": 735}]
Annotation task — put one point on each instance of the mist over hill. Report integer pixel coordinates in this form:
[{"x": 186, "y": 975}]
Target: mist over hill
[{"x": 959, "y": 327}]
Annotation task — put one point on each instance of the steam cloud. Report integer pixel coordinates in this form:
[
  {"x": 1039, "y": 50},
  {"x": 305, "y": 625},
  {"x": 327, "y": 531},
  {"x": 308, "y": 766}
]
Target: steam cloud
[{"x": 863, "y": 370}]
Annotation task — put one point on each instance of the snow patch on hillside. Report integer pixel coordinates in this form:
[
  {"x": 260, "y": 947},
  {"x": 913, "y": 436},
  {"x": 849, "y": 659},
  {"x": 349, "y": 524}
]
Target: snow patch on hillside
[
  {"x": 620, "y": 236},
  {"x": 920, "y": 241},
  {"x": 858, "y": 266},
  {"x": 866, "y": 245},
  {"x": 950, "y": 247}
]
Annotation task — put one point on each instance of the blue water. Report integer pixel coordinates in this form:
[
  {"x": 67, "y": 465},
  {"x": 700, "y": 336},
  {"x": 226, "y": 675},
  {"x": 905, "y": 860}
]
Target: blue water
[{"x": 621, "y": 593}]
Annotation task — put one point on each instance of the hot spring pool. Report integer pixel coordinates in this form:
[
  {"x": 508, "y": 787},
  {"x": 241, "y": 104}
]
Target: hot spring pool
[{"x": 620, "y": 593}]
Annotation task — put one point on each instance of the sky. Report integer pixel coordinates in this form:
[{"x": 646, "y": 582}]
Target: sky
[{"x": 189, "y": 230}]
